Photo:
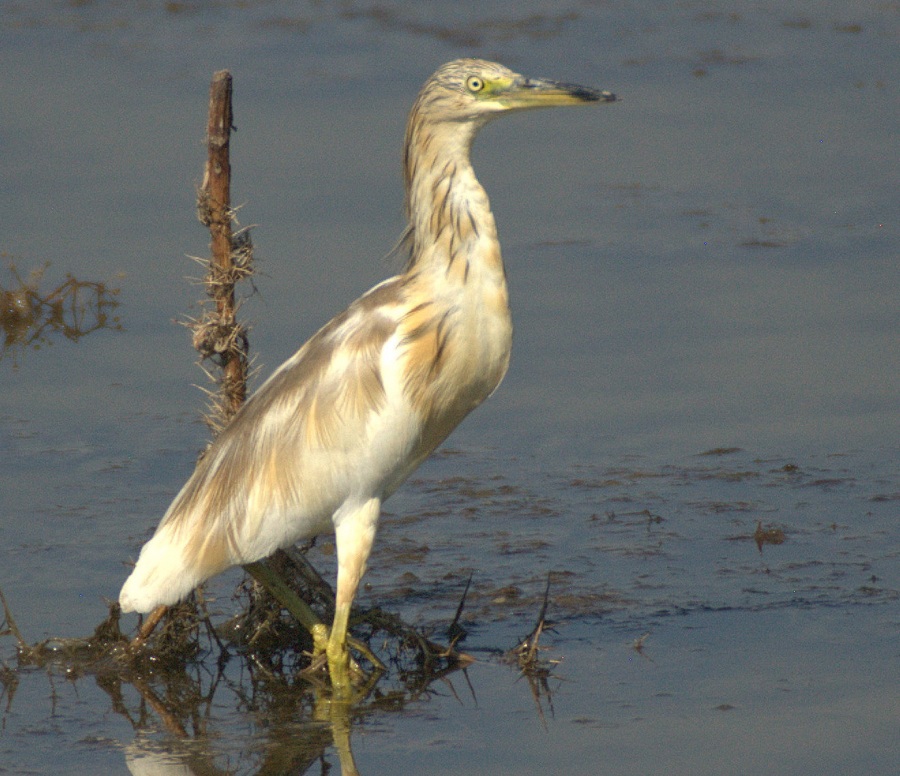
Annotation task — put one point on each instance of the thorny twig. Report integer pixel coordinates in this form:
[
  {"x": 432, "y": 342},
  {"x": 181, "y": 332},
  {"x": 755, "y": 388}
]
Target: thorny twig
[
  {"x": 455, "y": 631},
  {"x": 527, "y": 656}
]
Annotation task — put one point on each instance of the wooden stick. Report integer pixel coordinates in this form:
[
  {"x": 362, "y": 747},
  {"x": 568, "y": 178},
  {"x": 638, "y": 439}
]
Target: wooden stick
[
  {"x": 148, "y": 626},
  {"x": 214, "y": 207},
  {"x": 216, "y": 191}
]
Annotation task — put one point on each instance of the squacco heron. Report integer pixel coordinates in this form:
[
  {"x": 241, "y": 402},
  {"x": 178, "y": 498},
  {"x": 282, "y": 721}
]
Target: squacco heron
[{"x": 341, "y": 424}]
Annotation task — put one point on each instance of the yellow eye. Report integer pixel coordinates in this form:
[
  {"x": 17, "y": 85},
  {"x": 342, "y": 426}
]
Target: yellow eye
[{"x": 474, "y": 83}]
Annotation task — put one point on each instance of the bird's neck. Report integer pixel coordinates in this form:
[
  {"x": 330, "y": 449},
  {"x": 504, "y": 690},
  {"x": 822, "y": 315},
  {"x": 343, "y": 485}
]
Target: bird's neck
[{"x": 452, "y": 227}]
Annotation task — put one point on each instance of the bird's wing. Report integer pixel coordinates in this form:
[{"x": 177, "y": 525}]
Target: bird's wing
[
  {"x": 342, "y": 422},
  {"x": 302, "y": 445}
]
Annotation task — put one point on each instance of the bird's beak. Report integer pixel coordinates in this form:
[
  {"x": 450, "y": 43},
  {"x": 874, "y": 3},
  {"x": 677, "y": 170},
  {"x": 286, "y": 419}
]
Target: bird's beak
[{"x": 525, "y": 93}]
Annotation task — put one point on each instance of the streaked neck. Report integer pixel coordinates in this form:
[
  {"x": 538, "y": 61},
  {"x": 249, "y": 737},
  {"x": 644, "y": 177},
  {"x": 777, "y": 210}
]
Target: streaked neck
[{"x": 449, "y": 212}]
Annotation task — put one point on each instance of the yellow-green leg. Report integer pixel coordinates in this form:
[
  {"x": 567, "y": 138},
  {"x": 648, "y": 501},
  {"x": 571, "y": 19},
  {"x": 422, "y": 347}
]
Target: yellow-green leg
[
  {"x": 338, "y": 652},
  {"x": 332, "y": 644},
  {"x": 354, "y": 533}
]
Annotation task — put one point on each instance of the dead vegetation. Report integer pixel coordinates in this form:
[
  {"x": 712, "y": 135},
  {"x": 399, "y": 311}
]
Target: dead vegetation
[
  {"x": 32, "y": 317},
  {"x": 771, "y": 534},
  {"x": 536, "y": 670}
]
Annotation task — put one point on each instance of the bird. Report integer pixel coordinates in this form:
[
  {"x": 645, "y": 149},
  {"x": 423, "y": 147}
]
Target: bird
[{"x": 338, "y": 427}]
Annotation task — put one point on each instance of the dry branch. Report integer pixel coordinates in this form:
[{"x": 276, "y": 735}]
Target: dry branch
[{"x": 218, "y": 335}]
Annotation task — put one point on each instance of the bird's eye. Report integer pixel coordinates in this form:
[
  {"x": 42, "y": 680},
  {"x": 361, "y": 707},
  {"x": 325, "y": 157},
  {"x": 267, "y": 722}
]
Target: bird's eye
[{"x": 474, "y": 83}]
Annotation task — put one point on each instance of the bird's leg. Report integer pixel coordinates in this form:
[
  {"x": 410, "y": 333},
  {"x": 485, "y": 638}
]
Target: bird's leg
[
  {"x": 338, "y": 653},
  {"x": 270, "y": 579},
  {"x": 313, "y": 579},
  {"x": 354, "y": 533}
]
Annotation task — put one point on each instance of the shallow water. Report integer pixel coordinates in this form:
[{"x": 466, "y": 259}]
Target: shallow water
[{"x": 708, "y": 267}]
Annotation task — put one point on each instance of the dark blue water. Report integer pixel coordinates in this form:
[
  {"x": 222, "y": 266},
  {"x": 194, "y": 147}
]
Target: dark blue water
[{"x": 710, "y": 264}]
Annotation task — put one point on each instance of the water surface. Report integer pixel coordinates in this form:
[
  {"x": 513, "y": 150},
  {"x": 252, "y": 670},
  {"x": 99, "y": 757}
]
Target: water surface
[{"x": 709, "y": 266}]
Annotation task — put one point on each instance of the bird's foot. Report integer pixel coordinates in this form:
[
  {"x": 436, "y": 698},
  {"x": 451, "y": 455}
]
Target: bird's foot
[
  {"x": 321, "y": 638},
  {"x": 377, "y": 666},
  {"x": 339, "y": 669}
]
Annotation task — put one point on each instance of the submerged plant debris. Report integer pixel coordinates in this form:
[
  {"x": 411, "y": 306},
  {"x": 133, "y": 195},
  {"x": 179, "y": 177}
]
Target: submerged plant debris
[{"x": 32, "y": 317}]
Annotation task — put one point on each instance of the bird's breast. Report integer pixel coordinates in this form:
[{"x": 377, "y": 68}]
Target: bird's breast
[{"x": 454, "y": 348}]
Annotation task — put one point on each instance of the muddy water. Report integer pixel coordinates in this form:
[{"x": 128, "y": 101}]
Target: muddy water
[{"x": 696, "y": 443}]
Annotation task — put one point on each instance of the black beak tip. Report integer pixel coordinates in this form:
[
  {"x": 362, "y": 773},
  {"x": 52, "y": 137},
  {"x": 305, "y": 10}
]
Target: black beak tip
[{"x": 601, "y": 96}]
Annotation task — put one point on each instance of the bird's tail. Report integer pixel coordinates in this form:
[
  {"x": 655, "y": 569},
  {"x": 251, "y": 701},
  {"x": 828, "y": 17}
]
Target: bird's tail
[{"x": 161, "y": 576}]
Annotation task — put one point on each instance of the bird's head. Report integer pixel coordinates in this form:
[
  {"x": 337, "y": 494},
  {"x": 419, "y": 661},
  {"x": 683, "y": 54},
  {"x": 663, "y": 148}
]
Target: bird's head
[
  {"x": 475, "y": 90},
  {"x": 457, "y": 101}
]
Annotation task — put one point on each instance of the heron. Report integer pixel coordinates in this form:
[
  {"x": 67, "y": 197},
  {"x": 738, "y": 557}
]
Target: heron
[{"x": 338, "y": 427}]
